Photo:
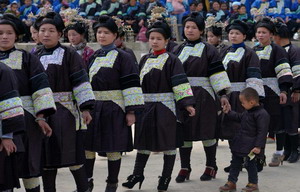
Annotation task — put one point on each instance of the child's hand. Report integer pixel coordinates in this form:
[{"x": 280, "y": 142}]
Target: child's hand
[
  {"x": 256, "y": 150},
  {"x": 8, "y": 145},
  {"x": 130, "y": 118},
  {"x": 191, "y": 110},
  {"x": 226, "y": 107}
]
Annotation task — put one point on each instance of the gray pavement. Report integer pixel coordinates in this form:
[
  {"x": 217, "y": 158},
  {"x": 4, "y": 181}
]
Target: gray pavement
[{"x": 285, "y": 178}]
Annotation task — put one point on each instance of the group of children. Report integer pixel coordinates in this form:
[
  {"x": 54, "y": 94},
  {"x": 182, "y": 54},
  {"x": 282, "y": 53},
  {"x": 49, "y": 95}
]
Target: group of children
[{"x": 61, "y": 105}]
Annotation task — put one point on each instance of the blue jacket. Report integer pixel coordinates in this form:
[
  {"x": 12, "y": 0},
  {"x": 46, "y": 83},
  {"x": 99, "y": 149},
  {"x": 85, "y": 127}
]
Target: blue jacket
[{"x": 25, "y": 10}]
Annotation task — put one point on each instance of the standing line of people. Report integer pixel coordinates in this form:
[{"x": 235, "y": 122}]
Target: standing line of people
[{"x": 77, "y": 102}]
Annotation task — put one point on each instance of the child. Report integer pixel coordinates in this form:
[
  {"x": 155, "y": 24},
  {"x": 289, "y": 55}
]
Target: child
[{"x": 248, "y": 141}]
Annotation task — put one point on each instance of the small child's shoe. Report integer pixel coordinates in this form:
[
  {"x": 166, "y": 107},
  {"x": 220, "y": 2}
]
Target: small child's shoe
[
  {"x": 250, "y": 187},
  {"x": 228, "y": 187}
]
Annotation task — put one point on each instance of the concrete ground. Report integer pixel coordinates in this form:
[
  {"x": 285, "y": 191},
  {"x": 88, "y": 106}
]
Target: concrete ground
[{"x": 285, "y": 178}]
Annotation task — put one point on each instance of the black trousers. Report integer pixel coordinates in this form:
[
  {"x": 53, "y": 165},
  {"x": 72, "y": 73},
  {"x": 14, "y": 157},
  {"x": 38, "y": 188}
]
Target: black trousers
[{"x": 235, "y": 168}]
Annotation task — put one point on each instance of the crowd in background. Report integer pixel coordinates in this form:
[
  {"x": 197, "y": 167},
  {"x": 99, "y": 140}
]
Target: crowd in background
[{"x": 135, "y": 13}]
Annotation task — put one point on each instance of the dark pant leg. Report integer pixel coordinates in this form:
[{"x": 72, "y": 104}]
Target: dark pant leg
[
  {"x": 252, "y": 172},
  {"x": 235, "y": 168}
]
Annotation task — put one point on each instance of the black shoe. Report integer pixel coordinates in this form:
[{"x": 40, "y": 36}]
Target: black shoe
[
  {"x": 184, "y": 174},
  {"x": 132, "y": 180},
  {"x": 91, "y": 184},
  {"x": 111, "y": 187},
  {"x": 209, "y": 173},
  {"x": 163, "y": 183},
  {"x": 294, "y": 157}
]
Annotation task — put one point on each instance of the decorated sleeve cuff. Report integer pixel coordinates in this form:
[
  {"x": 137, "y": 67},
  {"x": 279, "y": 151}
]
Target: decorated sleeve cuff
[
  {"x": 220, "y": 81},
  {"x": 83, "y": 93},
  {"x": 43, "y": 102},
  {"x": 282, "y": 70},
  {"x": 182, "y": 91},
  {"x": 133, "y": 97},
  {"x": 10, "y": 108}
]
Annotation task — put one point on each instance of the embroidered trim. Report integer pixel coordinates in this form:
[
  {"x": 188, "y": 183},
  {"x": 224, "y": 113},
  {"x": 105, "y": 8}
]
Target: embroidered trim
[
  {"x": 220, "y": 81},
  {"x": 165, "y": 98},
  {"x": 187, "y": 51},
  {"x": 133, "y": 96},
  {"x": 256, "y": 84},
  {"x": 15, "y": 60},
  {"x": 28, "y": 104},
  {"x": 296, "y": 71},
  {"x": 113, "y": 156},
  {"x": 115, "y": 96},
  {"x": 63, "y": 97},
  {"x": 55, "y": 59},
  {"x": 233, "y": 56},
  {"x": 153, "y": 63},
  {"x": 107, "y": 61},
  {"x": 265, "y": 53},
  {"x": 273, "y": 84},
  {"x": 202, "y": 82},
  {"x": 237, "y": 86},
  {"x": 170, "y": 152},
  {"x": 283, "y": 69},
  {"x": 209, "y": 143},
  {"x": 42, "y": 100},
  {"x": 67, "y": 100},
  {"x": 10, "y": 108},
  {"x": 83, "y": 93},
  {"x": 182, "y": 91},
  {"x": 31, "y": 183}
]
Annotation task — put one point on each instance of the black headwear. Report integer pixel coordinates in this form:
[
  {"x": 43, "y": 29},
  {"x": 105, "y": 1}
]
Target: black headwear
[
  {"x": 217, "y": 31},
  {"x": 238, "y": 25},
  {"x": 266, "y": 23},
  {"x": 160, "y": 26},
  {"x": 79, "y": 27},
  {"x": 17, "y": 24},
  {"x": 196, "y": 18},
  {"x": 107, "y": 22},
  {"x": 51, "y": 18},
  {"x": 282, "y": 30}
]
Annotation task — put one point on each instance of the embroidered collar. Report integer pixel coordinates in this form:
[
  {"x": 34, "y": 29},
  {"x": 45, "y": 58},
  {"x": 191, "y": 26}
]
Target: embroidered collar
[
  {"x": 4, "y": 54},
  {"x": 159, "y": 52},
  {"x": 80, "y": 46},
  {"x": 238, "y": 45}
]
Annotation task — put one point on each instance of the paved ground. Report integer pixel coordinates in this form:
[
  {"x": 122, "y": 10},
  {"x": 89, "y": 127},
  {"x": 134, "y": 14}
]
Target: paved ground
[{"x": 285, "y": 178}]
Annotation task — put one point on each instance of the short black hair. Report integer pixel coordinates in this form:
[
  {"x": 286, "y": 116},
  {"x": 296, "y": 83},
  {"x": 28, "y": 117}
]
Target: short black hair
[{"x": 250, "y": 94}]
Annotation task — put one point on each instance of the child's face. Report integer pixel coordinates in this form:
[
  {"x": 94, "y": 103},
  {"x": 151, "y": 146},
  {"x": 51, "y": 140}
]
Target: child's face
[
  {"x": 246, "y": 104},
  {"x": 199, "y": 7},
  {"x": 193, "y": 7},
  {"x": 27, "y": 2},
  {"x": 242, "y": 10},
  {"x": 14, "y": 7},
  {"x": 224, "y": 6}
]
